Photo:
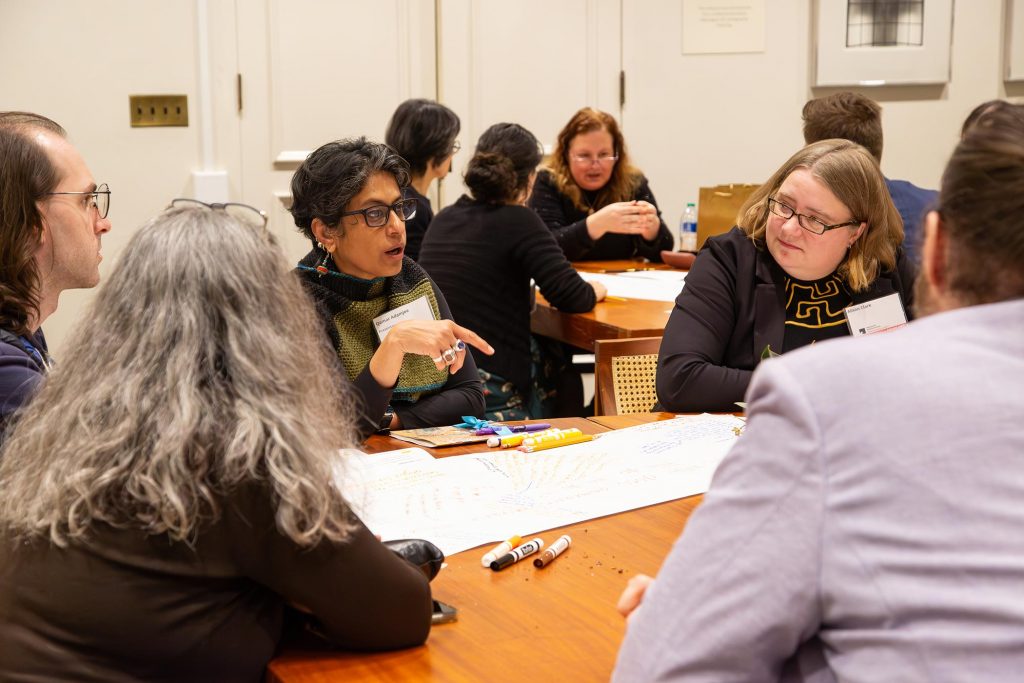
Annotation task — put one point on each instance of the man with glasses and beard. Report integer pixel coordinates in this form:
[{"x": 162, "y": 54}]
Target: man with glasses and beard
[
  {"x": 52, "y": 215},
  {"x": 866, "y": 526}
]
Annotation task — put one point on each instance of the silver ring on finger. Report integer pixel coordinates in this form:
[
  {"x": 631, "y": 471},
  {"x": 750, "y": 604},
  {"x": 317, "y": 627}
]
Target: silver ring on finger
[
  {"x": 448, "y": 356},
  {"x": 439, "y": 359}
]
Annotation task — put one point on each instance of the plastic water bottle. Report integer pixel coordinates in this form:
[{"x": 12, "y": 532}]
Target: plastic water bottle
[{"x": 688, "y": 228}]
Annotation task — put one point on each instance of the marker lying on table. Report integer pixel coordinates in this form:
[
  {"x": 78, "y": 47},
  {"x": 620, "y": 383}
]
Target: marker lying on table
[
  {"x": 535, "y": 427},
  {"x": 556, "y": 435},
  {"x": 553, "y": 551},
  {"x": 499, "y": 550},
  {"x": 580, "y": 438},
  {"x": 517, "y": 554},
  {"x": 512, "y": 440}
]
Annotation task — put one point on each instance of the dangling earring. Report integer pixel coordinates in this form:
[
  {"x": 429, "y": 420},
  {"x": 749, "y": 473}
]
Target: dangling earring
[{"x": 322, "y": 267}]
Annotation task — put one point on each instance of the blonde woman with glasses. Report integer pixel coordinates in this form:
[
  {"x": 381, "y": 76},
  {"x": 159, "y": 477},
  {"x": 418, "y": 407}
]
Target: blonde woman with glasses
[
  {"x": 169, "y": 492},
  {"x": 821, "y": 235},
  {"x": 595, "y": 201}
]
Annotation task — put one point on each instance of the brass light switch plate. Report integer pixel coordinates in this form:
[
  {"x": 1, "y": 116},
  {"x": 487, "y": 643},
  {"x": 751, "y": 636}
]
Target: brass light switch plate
[{"x": 159, "y": 110}]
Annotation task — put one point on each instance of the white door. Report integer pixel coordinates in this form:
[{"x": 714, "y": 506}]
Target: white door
[
  {"x": 532, "y": 62},
  {"x": 315, "y": 71}
]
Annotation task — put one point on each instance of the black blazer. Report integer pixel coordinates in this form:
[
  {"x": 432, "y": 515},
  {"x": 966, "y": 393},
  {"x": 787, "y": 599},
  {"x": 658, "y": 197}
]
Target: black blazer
[{"x": 731, "y": 307}]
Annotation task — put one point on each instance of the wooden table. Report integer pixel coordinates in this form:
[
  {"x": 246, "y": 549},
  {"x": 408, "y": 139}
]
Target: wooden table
[
  {"x": 613, "y": 319},
  {"x": 523, "y": 623}
]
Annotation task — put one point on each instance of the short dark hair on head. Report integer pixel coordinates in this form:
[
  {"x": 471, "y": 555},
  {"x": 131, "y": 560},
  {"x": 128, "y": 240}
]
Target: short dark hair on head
[
  {"x": 335, "y": 173},
  {"x": 506, "y": 155},
  {"x": 28, "y": 174},
  {"x": 422, "y": 131},
  {"x": 980, "y": 111},
  {"x": 982, "y": 207},
  {"x": 845, "y": 115}
]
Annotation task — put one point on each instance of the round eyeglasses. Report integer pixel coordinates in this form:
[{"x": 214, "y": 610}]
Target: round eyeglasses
[
  {"x": 808, "y": 223},
  {"x": 245, "y": 214},
  {"x": 98, "y": 199},
  {"x": 377, "y": 216}
]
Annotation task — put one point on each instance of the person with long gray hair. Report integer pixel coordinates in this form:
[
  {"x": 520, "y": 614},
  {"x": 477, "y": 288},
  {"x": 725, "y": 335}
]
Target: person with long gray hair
[
  {"x": 387, "y": 320},
  {"x": 169, "y": 491}
]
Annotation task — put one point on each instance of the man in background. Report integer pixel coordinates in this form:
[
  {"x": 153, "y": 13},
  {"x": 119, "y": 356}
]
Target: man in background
[
  {"x": 52, "y": 215},
  {"x": 866, "y": 525},
  {"x": 858, "y": 118}
]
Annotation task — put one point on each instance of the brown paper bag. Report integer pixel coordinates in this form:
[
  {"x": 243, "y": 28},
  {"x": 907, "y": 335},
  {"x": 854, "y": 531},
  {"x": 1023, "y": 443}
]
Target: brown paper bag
[{"x": 718, "y": 207}]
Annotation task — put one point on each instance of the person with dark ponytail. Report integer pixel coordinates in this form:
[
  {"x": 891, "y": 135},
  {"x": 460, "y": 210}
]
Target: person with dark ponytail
[{"x": 482, "y": 253}]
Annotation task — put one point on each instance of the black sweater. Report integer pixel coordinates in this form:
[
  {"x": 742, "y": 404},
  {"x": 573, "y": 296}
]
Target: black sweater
[
  {"x": 732, "y": 307},
  {"x": 482, "y": 257},
  {"x": 569, "y": 224}
]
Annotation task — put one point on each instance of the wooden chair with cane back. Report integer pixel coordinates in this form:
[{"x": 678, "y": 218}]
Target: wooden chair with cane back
[{"x": 624, "y": 371}]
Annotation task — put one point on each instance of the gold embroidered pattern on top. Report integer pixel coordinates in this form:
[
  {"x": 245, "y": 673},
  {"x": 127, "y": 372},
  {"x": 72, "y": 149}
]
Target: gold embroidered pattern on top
[{"x": 817, "y": 304}]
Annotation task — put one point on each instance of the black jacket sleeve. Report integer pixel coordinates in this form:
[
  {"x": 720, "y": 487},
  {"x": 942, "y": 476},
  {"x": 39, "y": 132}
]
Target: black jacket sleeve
[
  {"x": 568, "y": 227},
  {"x": 539, "y": 255},
  {"x": 691, "y": 375},
  {"x": 463, "y": 393}
]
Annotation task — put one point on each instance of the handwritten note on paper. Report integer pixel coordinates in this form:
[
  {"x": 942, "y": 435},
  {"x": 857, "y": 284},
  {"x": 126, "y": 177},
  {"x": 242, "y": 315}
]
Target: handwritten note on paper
[{"x": 465, "y": 501}]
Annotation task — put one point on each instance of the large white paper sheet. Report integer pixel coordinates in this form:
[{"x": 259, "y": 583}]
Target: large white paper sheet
[
  {"x": 641, "y": 285},
  {"x": 465, "y": 501}
]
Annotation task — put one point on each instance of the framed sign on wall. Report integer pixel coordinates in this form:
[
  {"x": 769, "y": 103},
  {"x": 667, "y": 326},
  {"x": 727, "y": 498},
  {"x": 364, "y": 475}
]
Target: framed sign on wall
[{"x": 882, "y": 42}]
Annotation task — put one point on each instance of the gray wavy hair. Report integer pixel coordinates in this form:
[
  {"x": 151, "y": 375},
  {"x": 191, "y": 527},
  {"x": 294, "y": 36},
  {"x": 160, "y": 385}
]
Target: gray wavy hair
[{"x": 200, "y": 366}]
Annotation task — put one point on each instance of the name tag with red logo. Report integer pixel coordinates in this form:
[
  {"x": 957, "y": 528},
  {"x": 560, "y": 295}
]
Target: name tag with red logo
[{"x": 878, "y": 315}]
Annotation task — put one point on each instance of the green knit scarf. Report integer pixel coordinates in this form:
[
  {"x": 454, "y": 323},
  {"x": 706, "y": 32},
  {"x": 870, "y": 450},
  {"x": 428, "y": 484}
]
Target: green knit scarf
[{"x": 349, "y": 305}]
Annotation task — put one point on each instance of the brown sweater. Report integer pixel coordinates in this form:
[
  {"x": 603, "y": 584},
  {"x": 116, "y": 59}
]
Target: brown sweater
[{"x": 129, "y": 607}]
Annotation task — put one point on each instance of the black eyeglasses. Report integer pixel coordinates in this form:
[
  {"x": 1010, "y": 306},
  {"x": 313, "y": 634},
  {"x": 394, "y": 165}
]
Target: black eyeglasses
[
  {"x": 377, "y": 216},
  {"x": 808, "y": 223},
  {"x": 249, "y": 215},
  {"x": 98, "y": 199}
]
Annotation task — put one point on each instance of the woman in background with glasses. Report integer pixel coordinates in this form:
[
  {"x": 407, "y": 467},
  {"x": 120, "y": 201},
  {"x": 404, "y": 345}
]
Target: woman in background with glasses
[
  {"x": 821, "y": 235},
  {"x": 172, "y": 486},
  {"x": 483, "y": 251},
  {"x": 595, "y": 201},
  {"x": 423, "y": 133},
  {"x": 388, "y": 322}
]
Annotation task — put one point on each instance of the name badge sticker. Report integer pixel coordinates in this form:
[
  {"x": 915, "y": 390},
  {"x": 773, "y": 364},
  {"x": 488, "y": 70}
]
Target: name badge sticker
[
  {"x": 878, "y": 315},
  {"x": 415, "y": 310}
]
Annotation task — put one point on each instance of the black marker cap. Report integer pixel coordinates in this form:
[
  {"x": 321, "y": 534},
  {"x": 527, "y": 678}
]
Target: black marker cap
[{"x": 503, "y": 561}]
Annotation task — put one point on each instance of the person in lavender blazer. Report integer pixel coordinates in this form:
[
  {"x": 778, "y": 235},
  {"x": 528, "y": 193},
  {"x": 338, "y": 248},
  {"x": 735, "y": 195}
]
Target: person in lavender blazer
[{"x": 867, "y": 524}]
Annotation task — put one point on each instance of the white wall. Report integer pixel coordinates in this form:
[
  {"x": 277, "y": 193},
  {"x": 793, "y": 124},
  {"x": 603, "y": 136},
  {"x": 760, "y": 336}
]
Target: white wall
[{"x": 78, "y": 63}]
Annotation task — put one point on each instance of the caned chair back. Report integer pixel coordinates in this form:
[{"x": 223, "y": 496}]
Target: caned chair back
[{"x": 624, "y": 371}]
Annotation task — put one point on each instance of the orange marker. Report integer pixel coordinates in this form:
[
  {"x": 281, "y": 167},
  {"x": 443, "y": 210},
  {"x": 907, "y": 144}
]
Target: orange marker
[
  {"x": 580, "y": 438},
  {"x": 499, "y": 550}
]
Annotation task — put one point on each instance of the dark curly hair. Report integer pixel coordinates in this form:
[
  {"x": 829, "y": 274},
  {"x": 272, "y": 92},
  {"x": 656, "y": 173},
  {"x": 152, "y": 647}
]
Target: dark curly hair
[{"x": 335, "y": 173}]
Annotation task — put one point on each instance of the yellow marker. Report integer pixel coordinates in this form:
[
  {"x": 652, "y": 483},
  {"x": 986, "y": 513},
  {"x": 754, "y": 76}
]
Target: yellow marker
[
  {"x": 582, "y": 438},
  {"x": 615, "y": 298},
  {"x": 513, "y": 440},
  {"x": 559, "y": 434}
]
